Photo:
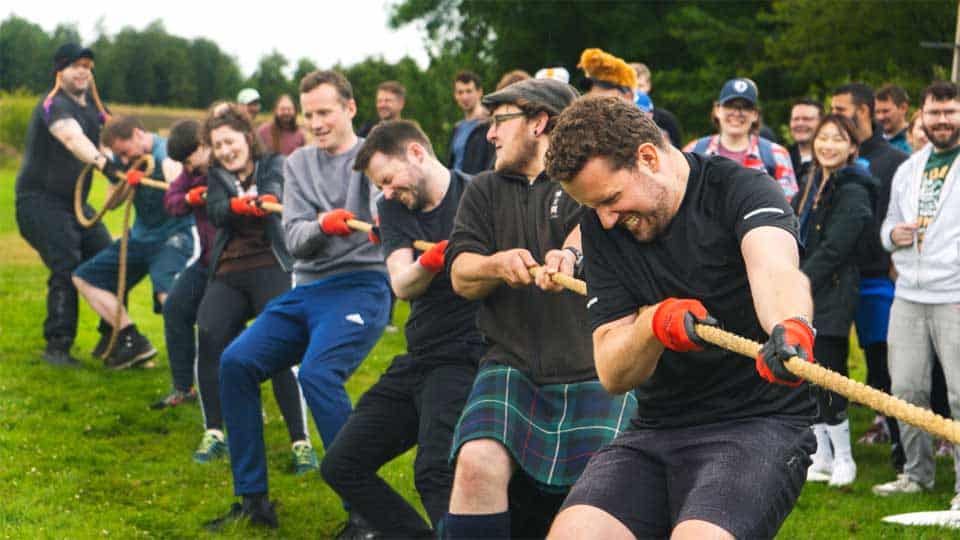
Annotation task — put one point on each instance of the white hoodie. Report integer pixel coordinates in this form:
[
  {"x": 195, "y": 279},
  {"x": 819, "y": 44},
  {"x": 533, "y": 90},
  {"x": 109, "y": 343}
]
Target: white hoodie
[{"x": 931, "y": 276}]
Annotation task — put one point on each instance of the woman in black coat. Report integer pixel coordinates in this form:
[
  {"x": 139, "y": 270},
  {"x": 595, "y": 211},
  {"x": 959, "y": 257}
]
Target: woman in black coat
[{"x": 834, "y": 209}]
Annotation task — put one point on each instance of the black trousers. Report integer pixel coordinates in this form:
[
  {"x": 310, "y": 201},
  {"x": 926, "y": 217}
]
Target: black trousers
[
  {"x": 51, "y": 228},
  {"x": 228, "y": 303},
  {"x": 831, "y": 353},
  {"x": 413, "y": 403},
  {"x": 179, "y": 322}
]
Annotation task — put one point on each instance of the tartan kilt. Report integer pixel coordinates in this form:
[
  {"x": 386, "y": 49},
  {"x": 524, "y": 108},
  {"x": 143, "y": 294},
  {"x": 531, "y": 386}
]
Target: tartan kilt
[{"x": 551, "y": 430}]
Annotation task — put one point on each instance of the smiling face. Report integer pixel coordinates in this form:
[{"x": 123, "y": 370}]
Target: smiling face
[
  {"x": 231, "y": 148},
  {"x": 891, "y": 116},
  {"x": 941, "y": 122},
  {"x": 401, "y": 178},
  {"x": 803, "y": 122},
  {"x": 832, "y": 147},
  {"x": 329, "y": 118},
  {"x": 736, "y": 117},
  {"x": 389, "y": 105},
  {"x": 76, "y": 77}
]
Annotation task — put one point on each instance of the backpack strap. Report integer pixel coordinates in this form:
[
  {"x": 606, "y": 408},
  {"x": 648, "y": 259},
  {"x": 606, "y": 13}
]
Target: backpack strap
[{"x": 766, "y": 156}]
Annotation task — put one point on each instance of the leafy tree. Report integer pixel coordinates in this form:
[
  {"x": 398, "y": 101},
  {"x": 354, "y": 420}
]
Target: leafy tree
[
  {"x": 26, "y": 56},
  {"x": 269, "y": 78}
]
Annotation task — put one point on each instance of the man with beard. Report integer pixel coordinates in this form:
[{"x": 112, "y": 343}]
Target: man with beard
[
  {"x": 714, "y": 450},
  {"x": 856, "y": 102},
  {"x": 922, "y": 230},
  {"x": 804, "y": 117},
  {"x": 282, "y": 135},
  {"x": 891, "y": 107},
  {"x": 418, "y": 399},
  {"x": 62, "y": 137},
  {"x": 470, "y": 151},
  {"x": 536, "y": 408},
  {"x": 391, "y": 98}
]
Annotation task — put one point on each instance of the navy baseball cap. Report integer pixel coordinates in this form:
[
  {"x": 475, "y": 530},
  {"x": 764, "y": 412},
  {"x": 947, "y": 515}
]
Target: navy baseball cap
[
  {"x": 69, "y": 53},
  {"x": 738, "y": 89}
]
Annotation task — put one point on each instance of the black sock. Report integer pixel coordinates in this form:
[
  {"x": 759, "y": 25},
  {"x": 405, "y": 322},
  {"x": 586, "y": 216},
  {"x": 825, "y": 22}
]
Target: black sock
[{"x": 476, "y": 526}]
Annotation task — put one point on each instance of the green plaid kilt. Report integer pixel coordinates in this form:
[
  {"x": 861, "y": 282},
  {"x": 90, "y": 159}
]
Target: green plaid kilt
[{"x": 551, "y": 430}]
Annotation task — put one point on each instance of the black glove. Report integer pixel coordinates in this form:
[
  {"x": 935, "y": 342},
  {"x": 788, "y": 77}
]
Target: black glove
[{"x": 111, "y": 171}]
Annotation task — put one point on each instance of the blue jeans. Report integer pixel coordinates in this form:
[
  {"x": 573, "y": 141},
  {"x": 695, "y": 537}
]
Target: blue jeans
[{"x": 328, "y": 327}]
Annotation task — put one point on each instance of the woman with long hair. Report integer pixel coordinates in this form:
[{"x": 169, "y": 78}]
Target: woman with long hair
[
  {"x": 834, "y": 211},
  {"x": 249, "y": 266}
]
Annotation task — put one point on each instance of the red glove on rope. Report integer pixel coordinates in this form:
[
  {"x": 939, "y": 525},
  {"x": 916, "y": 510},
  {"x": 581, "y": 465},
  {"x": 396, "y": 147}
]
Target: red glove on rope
[
  {"x": 197, "y": 196},
  {"x": 334, "y": 222},
  {"x": 374, "y": 234},
  {"x": 257, "y": 209},
  {"x": 673, "y": 324},
  {"x": 242, "y": 205},
  {"x": 134, "y": 176},
  {"x": 432, "y": 259},
  {"x": 792, "y": 337}
]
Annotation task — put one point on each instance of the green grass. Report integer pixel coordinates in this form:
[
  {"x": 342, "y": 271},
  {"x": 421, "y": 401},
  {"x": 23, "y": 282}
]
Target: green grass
[{"x": 82, "y": 456}]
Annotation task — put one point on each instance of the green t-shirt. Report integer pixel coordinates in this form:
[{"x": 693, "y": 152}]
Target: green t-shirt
[{"x": 931, "y": 185}]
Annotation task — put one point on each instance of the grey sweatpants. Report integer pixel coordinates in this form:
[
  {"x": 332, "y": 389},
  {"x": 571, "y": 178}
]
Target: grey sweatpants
[{"x": 916, "y": 332}]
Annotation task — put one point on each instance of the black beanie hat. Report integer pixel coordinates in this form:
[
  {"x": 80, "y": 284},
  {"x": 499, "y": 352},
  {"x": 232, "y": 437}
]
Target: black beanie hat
[{"x": 69, "y": 53}]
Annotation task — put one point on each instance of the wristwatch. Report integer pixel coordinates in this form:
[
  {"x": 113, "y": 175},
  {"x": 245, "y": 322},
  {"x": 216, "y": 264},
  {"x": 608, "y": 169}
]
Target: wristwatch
[{"x": 577, "y": 259}]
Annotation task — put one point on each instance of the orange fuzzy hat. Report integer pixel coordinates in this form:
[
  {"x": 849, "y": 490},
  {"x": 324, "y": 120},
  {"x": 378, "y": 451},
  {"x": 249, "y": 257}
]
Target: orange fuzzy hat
[{"x": 606, "y": 68}]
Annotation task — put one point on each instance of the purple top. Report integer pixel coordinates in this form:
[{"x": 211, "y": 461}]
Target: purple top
[{"x": 174, "y": 200}]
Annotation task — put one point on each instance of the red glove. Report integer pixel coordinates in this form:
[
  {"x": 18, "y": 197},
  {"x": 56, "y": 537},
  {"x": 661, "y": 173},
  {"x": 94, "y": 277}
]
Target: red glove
[
  {"x": 432, "y": 259},
  {"x": 792, "y": 337},
  {"x": 674, "y": 320},
  {"x": 334, "y": 222},
  {"x": 374, "y": 234},
  {"x": 242, "y": 205},
  {"x": 134, "y": 176},
  {"x": 257, "y": 209},
  {"x": 197, "y": 196}
]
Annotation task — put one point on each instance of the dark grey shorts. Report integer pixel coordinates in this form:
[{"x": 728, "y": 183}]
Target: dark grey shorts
[{"x": 742, "y": 475}]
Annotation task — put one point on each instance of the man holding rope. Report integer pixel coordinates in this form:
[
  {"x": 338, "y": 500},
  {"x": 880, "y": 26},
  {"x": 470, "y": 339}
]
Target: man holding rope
[
  {"x": 62, "y": 137},
  {"x": 160, "y": 245},
  {"x": 536, "y": 408},
  {"x": 715, "y": 450}
]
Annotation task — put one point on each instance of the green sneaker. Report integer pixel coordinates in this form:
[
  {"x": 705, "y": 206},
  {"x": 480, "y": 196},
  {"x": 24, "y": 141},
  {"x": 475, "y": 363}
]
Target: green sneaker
[
  {"x": 304, "y": 458},
  {"x": 211, "y": 447}
]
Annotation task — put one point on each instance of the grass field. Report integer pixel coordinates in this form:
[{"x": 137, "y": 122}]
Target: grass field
[{"x": 82, "y": 456}]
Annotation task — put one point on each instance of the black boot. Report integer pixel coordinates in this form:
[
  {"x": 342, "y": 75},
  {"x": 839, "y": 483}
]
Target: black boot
[
  {"x": 132, "y": 348},
  {"x": 256, "y": 509},
  {"x": 57, "y": 354}
]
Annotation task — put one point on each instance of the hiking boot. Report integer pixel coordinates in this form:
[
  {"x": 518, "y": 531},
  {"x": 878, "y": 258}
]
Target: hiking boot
[
  {"x": 902, "y": 485},
  {"x": 211, "y": 447},
  {"x": 101, "y": 346},
  {"x": 357, "y": 528},
  {"x": 58, "y": 354},
  {"x": 256, "y": 510},
  {"x": 174, "y": 398},
  {"x": 304, "y": 458},
  {"x": 132, "y": 348}
]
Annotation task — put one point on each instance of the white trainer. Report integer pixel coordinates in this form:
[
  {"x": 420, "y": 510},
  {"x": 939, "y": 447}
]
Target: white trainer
[
  {"x": 955, "y": 502},
  {"x": 902, "y": 485},
  {"x": 844, "y": 472}
]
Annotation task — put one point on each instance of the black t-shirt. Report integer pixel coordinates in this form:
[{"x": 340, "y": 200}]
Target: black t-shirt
[
  {"x": 440, "y": 321},
  {"x": 697, "y": 256},
  {"x": 48, "y": 167}
]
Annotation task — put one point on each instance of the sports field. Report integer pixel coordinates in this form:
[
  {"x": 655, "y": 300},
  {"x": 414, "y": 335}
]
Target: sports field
[{"x": 82, "y": 455}]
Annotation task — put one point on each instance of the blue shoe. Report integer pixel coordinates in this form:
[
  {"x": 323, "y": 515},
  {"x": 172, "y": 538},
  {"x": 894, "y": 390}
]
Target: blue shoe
[
  {"x": 304, "y": 458},
  {"x": 211, "y": 447}
]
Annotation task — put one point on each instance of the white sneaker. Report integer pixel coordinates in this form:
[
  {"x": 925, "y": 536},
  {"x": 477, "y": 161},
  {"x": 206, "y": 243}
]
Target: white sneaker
[
  {"x": 819, "y": 471},
  {"x": 844, "y": 472},
  {"x": 903, "y": 484},
  {"x": 955, "y": 502}
]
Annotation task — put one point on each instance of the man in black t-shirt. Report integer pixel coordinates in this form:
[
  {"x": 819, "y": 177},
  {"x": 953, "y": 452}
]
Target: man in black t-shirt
[
  {"x": 419, "y": 398},
  {"x": 62, "y": 138},
  {"x": 715, "y": 450}
]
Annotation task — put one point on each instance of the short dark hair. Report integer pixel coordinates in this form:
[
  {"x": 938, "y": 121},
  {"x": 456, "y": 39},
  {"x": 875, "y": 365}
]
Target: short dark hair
[
  {"x": 327, "y": 76},
  {"x": 894, "y": 93},
  {"x": 394, "y": 87},
  {"x": 939, "y": 91},
  {"x": 120, "y": 128},
  {"x": 236, "y": 118},
  {"x": 860, "y": 93},
  {"x": 606, "y": 127},
  {"x": 810, "y": 102},
  {"x": 511, "y": 77},
  {"x": 390, "y": 139},
  {"x": 183, "y": 140},
  {"x": 466, "y": 76}
]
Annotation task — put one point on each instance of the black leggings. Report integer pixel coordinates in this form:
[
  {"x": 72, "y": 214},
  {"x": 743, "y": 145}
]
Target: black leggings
[
  {"x": 229, "y": 302},
  {"x": 831, "y": 353}
]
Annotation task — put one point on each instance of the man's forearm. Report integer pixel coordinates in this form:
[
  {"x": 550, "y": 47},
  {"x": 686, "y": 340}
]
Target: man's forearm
[
  {"x": 783, "y": 294},
  {"x": 626, "y": 352},
  {"x": 408, "y": 278},
  {"x": 474, "y": 276}
]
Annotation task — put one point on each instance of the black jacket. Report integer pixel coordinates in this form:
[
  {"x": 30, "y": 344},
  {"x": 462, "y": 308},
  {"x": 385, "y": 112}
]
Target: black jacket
[
  {"x": 544, "y": 335},
  {"x": 832, "y": 233},
  {"x": 478, "y": 153},
  {"x": 221, "y": 187},
  {"x": 800, "y": 168},
  {"x": 666, "y": 121},
  {"x": 883, "y": 161}
]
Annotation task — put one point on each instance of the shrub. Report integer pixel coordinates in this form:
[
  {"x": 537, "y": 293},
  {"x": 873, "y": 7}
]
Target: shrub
[{"x": 15, "y": 110}]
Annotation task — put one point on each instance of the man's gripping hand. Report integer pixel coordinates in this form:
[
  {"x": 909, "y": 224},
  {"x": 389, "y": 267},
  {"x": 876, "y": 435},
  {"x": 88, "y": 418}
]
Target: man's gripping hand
[
  {"x": 674, "y": 320},
  {"x": 334, "y": 222},
  {"x": 555, "y": 261},
  {"x": 513, "y": 267},
  {"x": 792, "y": 337},
  {"x": 432, "y": 259}
]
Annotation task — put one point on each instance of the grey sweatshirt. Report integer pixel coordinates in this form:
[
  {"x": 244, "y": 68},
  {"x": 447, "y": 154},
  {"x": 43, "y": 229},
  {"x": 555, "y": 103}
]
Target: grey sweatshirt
[{"x": 316, "y": 182}]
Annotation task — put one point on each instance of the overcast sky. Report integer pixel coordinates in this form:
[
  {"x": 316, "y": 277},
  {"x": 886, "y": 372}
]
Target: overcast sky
[{"x": 327, "y": 32}]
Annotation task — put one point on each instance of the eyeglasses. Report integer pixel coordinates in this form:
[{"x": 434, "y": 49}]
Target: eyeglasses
[
  {"x": 738, "y": 106},
  {"x": 501, "y": 118},
  {"x": 938, "y": 113}
]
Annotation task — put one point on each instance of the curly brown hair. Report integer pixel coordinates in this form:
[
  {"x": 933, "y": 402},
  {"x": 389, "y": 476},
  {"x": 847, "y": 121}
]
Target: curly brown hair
[{"x": 607, "y": 127}]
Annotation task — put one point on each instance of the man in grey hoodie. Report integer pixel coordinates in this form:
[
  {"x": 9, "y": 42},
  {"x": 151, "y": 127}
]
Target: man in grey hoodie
[
  {"x": 335, "y": 313},
  {"x": 922, "y": 230}
]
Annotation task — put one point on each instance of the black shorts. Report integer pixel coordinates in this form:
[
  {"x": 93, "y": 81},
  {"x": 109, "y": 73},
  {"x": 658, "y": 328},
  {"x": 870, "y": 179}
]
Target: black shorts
[{"x": 742, "y": 475}]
